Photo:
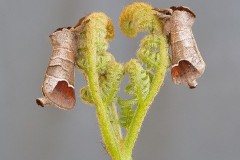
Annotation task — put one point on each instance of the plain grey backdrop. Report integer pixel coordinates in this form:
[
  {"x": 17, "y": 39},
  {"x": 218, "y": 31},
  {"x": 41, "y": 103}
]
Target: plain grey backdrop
[{"x": 182, "y": 124}]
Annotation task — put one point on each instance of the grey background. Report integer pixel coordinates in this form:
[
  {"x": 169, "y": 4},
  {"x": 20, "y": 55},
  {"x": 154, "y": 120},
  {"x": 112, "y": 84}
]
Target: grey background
[{"x": 182, "y": 124}]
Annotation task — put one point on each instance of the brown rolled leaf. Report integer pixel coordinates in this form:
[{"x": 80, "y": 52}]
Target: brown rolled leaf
[
  {"x": 58, "y": 84},
  {"x": 187, "y": 62}
]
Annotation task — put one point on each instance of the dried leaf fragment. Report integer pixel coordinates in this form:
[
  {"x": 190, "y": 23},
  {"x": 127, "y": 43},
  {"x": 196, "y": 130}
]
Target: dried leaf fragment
[
  {"x": 187, "y": 62},
  {"x": 58, "y": 84}
]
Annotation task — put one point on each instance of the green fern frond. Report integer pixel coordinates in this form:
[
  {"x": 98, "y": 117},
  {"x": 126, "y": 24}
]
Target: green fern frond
[
  {"x": 130, "y": 89},
  {"x": 103, "y": 61},
  {"x": 149, "y": 52},
  {"x": 138, "y": 87},
  {"x": 93, "y": 39},
  {"x": 110, "y": 81},
  {"x": 86, "y": 96},
  {"x": 126, "y": 111},
  {"x": 139, "y": 79},
  {"x": 103, "y": 74}
]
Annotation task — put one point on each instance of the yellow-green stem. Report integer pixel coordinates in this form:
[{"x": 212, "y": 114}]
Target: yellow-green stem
[
  {"x": 107, "y": 131},
  {"x": 136, "y": 18},
  {"x": 141, "y": 111}
]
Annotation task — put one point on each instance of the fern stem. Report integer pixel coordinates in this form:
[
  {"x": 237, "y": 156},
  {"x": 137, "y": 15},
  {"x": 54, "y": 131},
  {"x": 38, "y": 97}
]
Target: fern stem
[
  {"x": 142, "y": 109},
  {"x": 107, "y": 131},
  {"x": 104, "y": 74}
]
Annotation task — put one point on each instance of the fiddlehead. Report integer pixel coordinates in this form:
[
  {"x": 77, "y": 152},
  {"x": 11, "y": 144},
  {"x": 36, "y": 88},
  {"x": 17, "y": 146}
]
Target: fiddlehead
[
  {"x": 103, "y": 75},
  {"x": 139, "y": 17},
  {"x": 144, "y": 83},
  {"x": 94, "y": 38}
]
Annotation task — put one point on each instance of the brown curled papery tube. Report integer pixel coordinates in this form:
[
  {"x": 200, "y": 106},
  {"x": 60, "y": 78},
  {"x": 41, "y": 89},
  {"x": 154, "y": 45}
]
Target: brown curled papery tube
[
  {"x": 58, "y": 84},
  {"x": 187, "y": 62}
]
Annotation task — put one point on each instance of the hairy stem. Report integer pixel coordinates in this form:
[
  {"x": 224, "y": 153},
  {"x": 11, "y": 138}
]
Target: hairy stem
[
  {"x": 107, "y": 131},
  {"x": 142, "y": 109},
  {"x": 104, "y": 74},
  {"x": 92, "y": 44},
  {"x": 139, "y": 17}
]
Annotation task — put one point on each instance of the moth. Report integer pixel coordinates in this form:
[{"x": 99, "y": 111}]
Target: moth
[
  {"x": 187, "y": 62},
  {"x": 58, "y": 84}
]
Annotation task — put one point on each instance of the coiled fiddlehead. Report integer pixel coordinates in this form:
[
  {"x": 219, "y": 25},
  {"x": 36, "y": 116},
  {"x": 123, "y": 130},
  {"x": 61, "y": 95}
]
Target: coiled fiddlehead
[
  {"x": 104, "y": 74},
  {"x": 94, "y": 38},
  {"x": 144, "y": 83},
  {"x": 139, "y": 17}
]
